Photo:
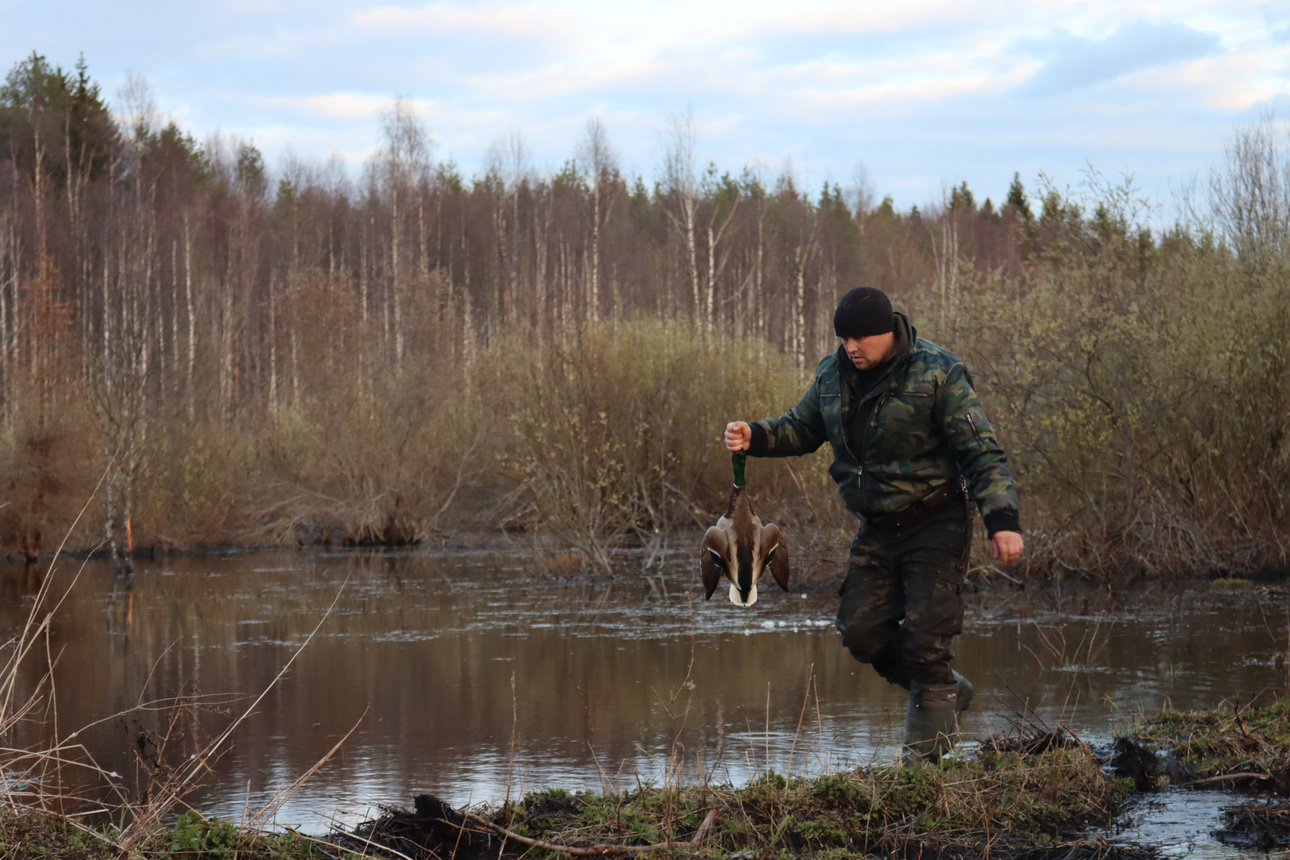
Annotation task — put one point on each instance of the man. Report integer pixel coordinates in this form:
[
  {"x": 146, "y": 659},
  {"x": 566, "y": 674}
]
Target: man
[{"x": 911, "y": 447}]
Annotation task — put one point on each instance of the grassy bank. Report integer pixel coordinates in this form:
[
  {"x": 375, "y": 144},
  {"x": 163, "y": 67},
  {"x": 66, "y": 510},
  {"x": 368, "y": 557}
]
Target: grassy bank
[
  {"x": 1006, "y": 801},
  {"x": 1038, "y": 796}
]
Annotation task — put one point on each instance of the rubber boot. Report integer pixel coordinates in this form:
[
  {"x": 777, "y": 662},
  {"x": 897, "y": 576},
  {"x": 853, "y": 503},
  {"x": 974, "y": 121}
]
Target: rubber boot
[
  {"x": 963, "y": 697},
  {"x": 930, "y": 723}
]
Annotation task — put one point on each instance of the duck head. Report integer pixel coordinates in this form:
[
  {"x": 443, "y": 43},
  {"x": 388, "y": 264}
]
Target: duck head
[{"x": 740, "y": 549}]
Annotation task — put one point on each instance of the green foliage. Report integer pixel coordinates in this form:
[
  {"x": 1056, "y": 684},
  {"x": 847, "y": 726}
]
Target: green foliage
[
  {"x": 56, "y": 119},
  {"x": 198, "y": 836},
  {"x": 34, "y": 835},
  {"x": 178, "y": 151},
  {"x": 1010, "y": 801},
  {"x": 838, "y": 789},
  {"x": 962, "y": 198},
  {"x": 252, "y": 176},
  {"x": 43, "y": 836}
]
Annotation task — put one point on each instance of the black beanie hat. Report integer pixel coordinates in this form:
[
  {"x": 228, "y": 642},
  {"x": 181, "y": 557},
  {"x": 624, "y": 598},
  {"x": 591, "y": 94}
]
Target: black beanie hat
[{"x": 862, "y": 312}]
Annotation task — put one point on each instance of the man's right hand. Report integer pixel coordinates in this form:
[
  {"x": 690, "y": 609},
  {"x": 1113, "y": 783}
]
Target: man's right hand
[
  {"x": 738, "y": 436},
  {"x": 1007, "y": 546}
]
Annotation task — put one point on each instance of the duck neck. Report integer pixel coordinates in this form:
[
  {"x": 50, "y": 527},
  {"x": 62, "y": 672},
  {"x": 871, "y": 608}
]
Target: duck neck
[{"x": 735, "y": 492}]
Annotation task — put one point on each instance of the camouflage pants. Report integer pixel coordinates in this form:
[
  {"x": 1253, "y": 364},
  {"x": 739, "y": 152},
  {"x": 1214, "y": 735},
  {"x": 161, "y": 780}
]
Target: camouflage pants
[{"x": 902, "y": 599}]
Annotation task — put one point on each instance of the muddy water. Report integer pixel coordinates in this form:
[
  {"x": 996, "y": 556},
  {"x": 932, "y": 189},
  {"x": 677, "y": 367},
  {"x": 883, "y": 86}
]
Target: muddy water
[{"x": 462, "y": 674}]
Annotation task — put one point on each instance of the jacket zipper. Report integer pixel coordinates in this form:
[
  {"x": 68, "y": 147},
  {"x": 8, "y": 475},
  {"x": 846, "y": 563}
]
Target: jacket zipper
[
  {"x": 843, "y": 417},
  {"x": 864, "y": 438}
]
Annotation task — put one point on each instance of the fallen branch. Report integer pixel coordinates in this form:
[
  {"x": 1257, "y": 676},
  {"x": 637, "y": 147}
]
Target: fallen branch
[
  {"x": 599, "y": 850},
  {"x": 1224, "y": 778}
]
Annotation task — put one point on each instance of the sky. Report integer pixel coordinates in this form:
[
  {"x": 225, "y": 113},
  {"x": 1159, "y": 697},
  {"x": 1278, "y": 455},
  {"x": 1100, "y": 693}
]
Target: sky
[{"x": 904, "y": 99}]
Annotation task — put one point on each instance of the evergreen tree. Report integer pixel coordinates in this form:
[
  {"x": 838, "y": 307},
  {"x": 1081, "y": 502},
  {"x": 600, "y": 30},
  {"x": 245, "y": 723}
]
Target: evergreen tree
[
  {"x": 55, "y": 119},
  {"x": 1017, "y": 199}
]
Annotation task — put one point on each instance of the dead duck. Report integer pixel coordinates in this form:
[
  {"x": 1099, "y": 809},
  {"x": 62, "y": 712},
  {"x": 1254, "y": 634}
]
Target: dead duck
[{"x": 741, "y": 549}]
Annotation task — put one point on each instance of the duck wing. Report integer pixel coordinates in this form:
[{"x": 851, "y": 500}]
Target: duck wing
[
  {"x": 712, "y": 559},
  {"x": 776, "y": 554}
]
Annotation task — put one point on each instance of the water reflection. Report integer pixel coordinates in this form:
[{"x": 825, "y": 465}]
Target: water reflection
[{"x": 463, "y": 675}]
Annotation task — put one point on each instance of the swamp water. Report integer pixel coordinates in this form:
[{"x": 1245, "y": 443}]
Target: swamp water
[{"x": 461, "y": 674}]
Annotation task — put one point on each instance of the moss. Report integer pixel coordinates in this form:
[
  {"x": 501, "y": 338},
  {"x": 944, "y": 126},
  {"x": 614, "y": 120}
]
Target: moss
[
  {"x": 1231, "y": 584},
  {"x": 1227, "y": 741}
]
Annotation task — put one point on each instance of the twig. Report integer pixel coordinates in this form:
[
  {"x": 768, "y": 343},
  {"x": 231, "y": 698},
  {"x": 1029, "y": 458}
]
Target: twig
[
  {"x": 801, "y": 489},
  {"x": 801, "y": 717},
  {"x": 510, "y": 762},
  {"x": 995, "y": 570},
  {"x": 601, "y": 849},
  {"x": 1225, "y": 777}
]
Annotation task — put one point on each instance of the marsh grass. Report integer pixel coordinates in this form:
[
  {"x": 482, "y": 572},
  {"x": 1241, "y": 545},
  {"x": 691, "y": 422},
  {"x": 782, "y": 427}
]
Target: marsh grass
[{"x": 999, "y": 803}]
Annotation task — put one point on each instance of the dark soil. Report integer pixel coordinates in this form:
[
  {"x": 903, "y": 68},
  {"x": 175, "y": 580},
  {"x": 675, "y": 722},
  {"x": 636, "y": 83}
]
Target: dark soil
[
  {"x": 1259, "y": 824},
  {"x": 433, "y": 830}
]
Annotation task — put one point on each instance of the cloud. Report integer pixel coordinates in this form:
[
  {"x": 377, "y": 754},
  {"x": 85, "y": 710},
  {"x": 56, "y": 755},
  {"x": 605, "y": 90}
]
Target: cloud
[
  {"x": 508, "y": 36},
  {"x": 444, "y": 18},
  {"x": 1074, "y": 62},
  {"x": 336, "y": 105}
]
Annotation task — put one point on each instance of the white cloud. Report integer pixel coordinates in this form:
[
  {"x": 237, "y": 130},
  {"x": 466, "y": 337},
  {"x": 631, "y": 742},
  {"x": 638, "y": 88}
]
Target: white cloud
[
  {"x": 446, "y": 18},
  {"x": 1231, "y": 82},
  {"x": 331, "y": 105}
]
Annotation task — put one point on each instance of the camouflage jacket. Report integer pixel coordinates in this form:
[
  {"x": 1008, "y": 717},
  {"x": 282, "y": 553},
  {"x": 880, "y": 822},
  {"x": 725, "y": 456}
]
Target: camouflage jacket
[{"x": 926, "y": 428}]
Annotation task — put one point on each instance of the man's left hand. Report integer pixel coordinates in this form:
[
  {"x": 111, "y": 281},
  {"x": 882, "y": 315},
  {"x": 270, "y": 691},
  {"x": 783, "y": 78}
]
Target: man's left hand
[{"x": 1007, "y": 546}]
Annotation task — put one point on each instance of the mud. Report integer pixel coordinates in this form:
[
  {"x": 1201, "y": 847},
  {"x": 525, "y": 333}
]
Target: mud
[
  {"x": 1262, "y": 825},
  {"x": 433, "y": 829}
]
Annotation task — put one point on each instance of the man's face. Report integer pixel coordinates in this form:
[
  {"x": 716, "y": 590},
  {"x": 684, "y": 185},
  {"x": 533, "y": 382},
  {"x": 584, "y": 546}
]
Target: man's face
[{"x": 871, "y": 351}]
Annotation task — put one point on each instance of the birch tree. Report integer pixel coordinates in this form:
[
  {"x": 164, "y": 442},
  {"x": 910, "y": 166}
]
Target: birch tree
[
  {"x": 601, "y": 169},
  {"x": 403, "y": 164},
  {"x": 681, "y": 187}
]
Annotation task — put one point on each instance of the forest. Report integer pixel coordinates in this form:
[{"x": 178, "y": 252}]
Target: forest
[{"x": 198, "y": 351}]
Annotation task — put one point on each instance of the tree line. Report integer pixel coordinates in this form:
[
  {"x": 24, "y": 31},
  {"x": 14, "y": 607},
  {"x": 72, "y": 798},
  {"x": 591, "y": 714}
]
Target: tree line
[{"x": 212, "y": 351}]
